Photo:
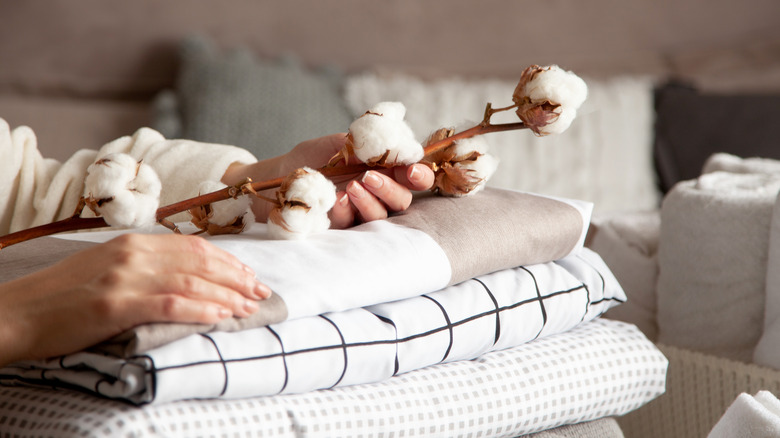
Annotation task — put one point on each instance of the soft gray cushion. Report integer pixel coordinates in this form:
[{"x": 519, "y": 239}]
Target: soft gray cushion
[{"x": 265, "y": 106}]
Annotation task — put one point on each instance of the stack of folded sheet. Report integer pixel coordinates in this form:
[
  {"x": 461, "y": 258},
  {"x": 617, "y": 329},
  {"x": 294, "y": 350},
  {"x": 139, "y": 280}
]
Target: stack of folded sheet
[{"x": 496, "y": 289}]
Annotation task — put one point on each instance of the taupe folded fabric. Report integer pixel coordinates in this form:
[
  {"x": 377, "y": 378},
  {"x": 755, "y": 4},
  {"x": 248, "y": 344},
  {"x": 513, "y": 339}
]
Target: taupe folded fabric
[
  {"x": 496, "y": 229},
  {"x": 34, "y": 255}
]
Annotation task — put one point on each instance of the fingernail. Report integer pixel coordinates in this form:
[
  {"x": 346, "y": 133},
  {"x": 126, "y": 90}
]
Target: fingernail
[
  {"x": 415, "y": 174},
  {"x": 250, "y": 306},
  {"x": 372, "y": 180},
  {"x": 262, "y": 291},
  {"x": 249, "y": 270},
  {"x": 355, "y": 189},
  {"x": 344, "y": 201},
  {"x": 223, "y": 312}
]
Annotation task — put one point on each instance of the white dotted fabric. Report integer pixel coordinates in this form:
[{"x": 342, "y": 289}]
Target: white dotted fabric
[{"x": 601, "y": 368}]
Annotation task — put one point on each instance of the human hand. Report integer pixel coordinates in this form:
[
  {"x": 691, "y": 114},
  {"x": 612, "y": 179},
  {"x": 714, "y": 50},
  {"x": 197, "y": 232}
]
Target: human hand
[
  {"x": 100, "y": 292},
  {"x": 362, "y": 197}
]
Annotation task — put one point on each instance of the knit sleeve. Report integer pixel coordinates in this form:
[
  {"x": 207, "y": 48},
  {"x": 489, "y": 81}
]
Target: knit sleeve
[{"x": 35, "y": 190}]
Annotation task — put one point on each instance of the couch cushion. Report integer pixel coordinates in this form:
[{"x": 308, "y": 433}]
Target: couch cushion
[{"x": 266, "y": 106}]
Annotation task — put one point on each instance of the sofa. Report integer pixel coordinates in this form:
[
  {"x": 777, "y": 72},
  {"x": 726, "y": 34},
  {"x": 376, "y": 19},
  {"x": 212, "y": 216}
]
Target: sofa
[{"x": 671, "y": 84}]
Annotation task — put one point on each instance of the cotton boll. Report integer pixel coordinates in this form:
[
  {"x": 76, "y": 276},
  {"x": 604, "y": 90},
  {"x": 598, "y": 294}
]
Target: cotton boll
[
  {"x": 305, "y": 198},
  {"x": 463, "y": 168},
  {"x": 313, "y": 189},
  {"x": 466, "y": 146},
  {"x": 382, "y": 132},
  {"x": 482, "y": 168},
  {"x": 124, "y": 191},
  {"x": 128, "y": 209},
  {"x": 557, "y": 85},
  {"x": 297, "y": 223},
  {"x": 146, "y": 181},
  {"x": 110, "y": 174},
  {"x": 547, "y": 98}
]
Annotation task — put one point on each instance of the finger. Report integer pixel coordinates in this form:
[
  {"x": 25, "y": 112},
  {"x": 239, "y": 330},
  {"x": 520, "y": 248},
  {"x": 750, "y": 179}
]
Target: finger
[
  {"x": 395, "y": 196},
  {"x": 341, "y": 215},
  {"x": 197, "y": 289},
  {"x": 176, "y": 308},
  {"x": 202, "y": 258},
  {"x": 368, "y": 207},
  {"x": 415, "y": 177}
]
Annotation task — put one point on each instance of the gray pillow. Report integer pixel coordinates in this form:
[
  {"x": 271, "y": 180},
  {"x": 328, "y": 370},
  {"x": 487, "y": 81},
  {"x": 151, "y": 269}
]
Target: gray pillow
[{"x": 265, "y": 106}]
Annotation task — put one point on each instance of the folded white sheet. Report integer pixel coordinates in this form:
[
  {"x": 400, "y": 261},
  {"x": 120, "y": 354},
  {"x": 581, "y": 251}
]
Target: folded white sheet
[{"x": 750, "y": 417}]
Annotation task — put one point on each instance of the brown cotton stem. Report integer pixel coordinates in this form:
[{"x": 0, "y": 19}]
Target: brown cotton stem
[
  {"x": 77, "y": 223},
  {"x": 69, "y": 224},
  {"x": 472, "y": 132}
]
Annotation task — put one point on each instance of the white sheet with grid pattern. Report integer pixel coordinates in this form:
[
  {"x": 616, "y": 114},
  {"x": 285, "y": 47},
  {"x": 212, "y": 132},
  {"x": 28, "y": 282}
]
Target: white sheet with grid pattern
[
  {"x": 491, "y": 312},
  {"x": 601, "y": 368}
]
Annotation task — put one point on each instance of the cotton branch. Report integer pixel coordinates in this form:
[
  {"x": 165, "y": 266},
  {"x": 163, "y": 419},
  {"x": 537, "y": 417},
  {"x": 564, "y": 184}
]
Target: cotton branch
[{"x": 75, "y": 222}]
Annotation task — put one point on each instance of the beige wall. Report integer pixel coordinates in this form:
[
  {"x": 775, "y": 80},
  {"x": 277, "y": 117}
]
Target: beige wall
[{"x": 118, "y": 52}]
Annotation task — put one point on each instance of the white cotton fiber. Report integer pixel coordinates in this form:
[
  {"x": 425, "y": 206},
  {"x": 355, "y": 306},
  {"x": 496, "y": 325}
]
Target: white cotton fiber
[
  {"x": 124, "y": 191},
  {"x": 295, "y": 221},
  {"x": 464, "y": 147},
  {"x": 313, "y": 189},
  {"x": 110, "y": 174},
  {"x": 383, "y": 129},
  {"x": 559, "y": 86},
  {"x": 225, "y": 212},
  {"x": 483, "y": 168},
  {"x": 299, "y": 224},
  {"x": 556, "y": 86}
]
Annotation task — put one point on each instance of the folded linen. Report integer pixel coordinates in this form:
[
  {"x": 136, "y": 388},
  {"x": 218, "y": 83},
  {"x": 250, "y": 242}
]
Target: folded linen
[
  {"x": 437, "y": 242},
  {"x": 713, "y": 262},
  {"x": 731, "y": 163},
  {"x": 495, "y": 311},
  {"x": 599, "y": 369},
  {"x": 750, "y": 417}
]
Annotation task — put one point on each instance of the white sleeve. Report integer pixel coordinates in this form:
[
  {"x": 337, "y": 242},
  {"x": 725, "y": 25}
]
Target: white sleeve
[
  {"x": 35, "y": 190},
  {"x": 181, "y": 164}
]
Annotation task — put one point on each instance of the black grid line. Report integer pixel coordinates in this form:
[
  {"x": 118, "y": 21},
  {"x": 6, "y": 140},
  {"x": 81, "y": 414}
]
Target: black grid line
[
  {"x": 283, "y": 356},
  {"x": 221, "y": 360},
  {"x": 387, "y": 320},
  {"x": 448, "y": 325},
  {"x": 344, "y": 349},
  {"x": 495, "y": 304}
]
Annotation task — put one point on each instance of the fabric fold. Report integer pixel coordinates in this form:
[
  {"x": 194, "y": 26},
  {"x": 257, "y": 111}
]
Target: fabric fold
[{"x": 750, "y": 417}]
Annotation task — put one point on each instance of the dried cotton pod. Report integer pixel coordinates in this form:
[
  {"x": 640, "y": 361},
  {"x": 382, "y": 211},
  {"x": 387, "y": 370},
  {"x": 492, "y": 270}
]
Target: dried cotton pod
[
  {"x": 229, "y": 216},
  {"x": 463, "y": 168},
  {"x": 303, "y": 202},
  {"x": 123, "y": 190},
  {"x": 548, "y": 98}
]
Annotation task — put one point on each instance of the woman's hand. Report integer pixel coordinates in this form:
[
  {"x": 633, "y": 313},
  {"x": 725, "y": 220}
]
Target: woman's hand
[
  {"x": 100, "y": 292},
  {"x": 361, "y": 198}
]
